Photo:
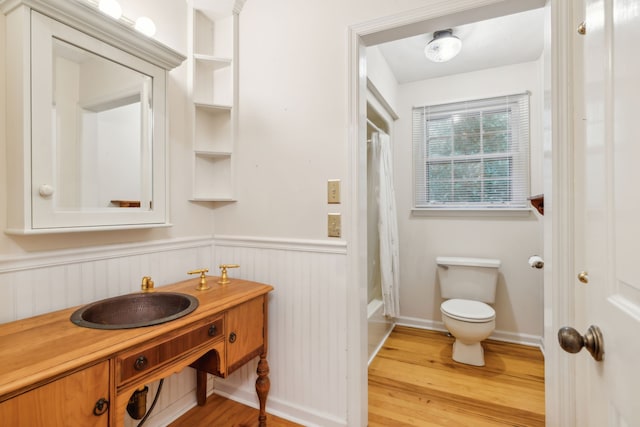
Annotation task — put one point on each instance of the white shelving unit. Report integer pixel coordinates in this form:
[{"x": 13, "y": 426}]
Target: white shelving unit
[{"x": 213, "y": 68}]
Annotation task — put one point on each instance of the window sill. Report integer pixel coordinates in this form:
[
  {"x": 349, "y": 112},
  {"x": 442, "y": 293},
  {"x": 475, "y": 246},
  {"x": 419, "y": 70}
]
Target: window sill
[{"x": 471, "y": 212}]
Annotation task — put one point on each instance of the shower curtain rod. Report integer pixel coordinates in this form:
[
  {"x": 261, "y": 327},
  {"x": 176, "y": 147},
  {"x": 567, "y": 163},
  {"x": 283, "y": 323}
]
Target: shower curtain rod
[{"x": 373, "y": 125}]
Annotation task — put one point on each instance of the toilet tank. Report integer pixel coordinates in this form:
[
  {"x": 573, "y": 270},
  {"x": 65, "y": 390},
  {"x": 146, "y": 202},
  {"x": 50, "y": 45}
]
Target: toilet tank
[{"x": 468, "y": 278}]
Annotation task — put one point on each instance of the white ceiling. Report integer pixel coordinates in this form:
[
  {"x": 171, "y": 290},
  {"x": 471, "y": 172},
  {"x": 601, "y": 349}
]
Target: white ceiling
[{"x": 496, "y": 42}]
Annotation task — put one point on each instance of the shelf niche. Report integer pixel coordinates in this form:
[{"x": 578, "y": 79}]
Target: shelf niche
[{"x": 213, "y": 74}]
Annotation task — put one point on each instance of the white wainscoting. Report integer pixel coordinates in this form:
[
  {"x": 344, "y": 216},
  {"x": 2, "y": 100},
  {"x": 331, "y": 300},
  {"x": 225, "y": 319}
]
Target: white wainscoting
[
  {"x": 307, "y": 326},
  {"x": 307, "y": 311},
  {"x": 48, "y": 281}
]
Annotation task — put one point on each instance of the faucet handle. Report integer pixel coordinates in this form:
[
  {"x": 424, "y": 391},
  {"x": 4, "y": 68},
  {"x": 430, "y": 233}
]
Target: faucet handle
[
  {"x": 202, "y": 285},
  {"x": 147, "y": 284},
  {"x": 224, "y": 279}
]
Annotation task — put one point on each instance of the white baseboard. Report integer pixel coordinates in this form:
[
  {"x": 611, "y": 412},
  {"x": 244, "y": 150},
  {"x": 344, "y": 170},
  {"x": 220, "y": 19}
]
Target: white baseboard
[
  {"x": 504, "y": 336},
  {"x": 303, "y": 416}
]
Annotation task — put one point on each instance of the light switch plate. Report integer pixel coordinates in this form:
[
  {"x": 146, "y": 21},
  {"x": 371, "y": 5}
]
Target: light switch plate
[
  {"x": 333, "y": 191},
  {"x": 334, "y": 228}
]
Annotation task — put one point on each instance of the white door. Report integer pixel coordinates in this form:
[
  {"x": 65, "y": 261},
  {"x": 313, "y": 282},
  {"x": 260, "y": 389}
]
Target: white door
[{"x": 608, "y": 215}]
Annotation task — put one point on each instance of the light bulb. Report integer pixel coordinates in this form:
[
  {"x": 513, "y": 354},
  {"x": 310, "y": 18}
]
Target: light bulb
[
  {"x": 111, "y": 8},
  {"x": 443, "y": 47},
  {"x": 145, "y": 26}
]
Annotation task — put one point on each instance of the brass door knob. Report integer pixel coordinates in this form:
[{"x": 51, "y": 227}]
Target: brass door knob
[
  {"x": 583, "y": 277},
  {"x": 572, "y": 342},
  {"x": 582, "y": 28}
]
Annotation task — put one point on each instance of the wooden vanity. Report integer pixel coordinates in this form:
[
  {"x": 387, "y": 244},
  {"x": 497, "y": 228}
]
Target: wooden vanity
[{"x": 55, "y": 373}]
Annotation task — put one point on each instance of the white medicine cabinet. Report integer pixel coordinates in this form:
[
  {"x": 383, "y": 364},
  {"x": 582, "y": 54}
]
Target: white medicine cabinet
[{"x": 86, "y": 120}]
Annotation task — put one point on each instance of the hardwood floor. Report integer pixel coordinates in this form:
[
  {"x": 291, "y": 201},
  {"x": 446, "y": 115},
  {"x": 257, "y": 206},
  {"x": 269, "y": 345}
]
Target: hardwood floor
[
  {"x": 222, "y": 412},
  {"x": 414, "y": 382}
]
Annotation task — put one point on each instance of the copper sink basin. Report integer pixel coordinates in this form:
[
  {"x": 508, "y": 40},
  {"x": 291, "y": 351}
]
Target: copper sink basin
[{"x": 135, "y": 310}]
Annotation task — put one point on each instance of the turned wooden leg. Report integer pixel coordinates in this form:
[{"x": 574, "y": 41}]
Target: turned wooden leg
[
  {"x": 262, "y": 388},
  {"x": 201, "y": 387}
]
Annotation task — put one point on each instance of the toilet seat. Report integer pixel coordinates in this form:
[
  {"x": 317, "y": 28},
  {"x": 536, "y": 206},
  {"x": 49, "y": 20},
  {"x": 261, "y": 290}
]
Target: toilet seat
[{"x": 468, "y": 311}]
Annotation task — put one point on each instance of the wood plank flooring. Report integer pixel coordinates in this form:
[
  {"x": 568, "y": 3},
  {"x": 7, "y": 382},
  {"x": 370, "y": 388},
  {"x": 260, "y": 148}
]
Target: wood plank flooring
[
  {"x": 414, "y": 382},
  {"x": 222, "y": 412}
]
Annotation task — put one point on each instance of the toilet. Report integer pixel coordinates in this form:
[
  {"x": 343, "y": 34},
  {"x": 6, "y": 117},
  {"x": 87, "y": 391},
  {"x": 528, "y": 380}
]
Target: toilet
[{"x": 468, "y": 286}]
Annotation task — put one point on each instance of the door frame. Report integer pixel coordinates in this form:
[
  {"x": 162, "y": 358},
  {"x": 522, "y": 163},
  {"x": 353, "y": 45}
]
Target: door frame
[{"x": 559, "y": 310}]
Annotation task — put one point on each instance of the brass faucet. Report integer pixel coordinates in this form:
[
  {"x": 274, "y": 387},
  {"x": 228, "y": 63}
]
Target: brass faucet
[
  {"x": 202, "y": 285},
  {"x": 147, "y": 284},
  {"x": 224, "y": 279}
]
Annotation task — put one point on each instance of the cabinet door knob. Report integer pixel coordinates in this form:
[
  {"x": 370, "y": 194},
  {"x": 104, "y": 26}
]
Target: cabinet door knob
[
  {"x": 232, "y": 337},
  {"x": 102, "y": 406},
  {"x": 212, "y": 330},
  {"x": 45, "y": 190},
  {"x": 140, "y": 363}
]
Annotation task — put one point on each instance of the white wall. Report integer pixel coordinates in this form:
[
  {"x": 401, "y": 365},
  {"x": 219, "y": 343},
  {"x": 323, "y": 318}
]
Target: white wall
[
  {"x": 519, "y": 305},
  {"x": 293, "y": 116},
  {"x": 380, "y": 74}
]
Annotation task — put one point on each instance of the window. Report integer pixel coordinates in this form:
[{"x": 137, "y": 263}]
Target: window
[{"x": 472, "y": 154}]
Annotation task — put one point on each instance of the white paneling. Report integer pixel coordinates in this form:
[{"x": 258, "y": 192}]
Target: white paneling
[
  {"x": 307, "y": 325},
  {"x": 54, "y": 280}
]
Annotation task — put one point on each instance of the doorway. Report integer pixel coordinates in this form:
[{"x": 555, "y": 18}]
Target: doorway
[{"x": 375, "y": 33}]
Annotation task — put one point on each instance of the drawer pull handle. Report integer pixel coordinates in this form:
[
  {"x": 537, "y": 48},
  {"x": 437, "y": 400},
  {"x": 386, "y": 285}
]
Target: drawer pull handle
[
  {"x": 102, "y": 406},
  {"x": 212, "y": 330},
  {"x": 232, "y": 337},
  {"x": 141, "y": 363}
]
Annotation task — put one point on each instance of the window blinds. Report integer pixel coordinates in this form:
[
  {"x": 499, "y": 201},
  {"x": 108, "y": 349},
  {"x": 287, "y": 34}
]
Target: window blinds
[{"x": 472, "y": 154}]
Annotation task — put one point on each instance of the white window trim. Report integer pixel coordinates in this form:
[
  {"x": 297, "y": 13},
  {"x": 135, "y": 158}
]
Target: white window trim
[{"x": 470, "y": 210}]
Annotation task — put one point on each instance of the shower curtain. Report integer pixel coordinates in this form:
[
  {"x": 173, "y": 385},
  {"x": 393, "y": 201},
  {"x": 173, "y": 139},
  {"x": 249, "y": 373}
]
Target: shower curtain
[{"x": 387, "y": 223}]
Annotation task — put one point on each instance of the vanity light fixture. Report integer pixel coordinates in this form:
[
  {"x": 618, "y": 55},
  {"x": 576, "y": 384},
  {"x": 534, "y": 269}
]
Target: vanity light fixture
[
  {"x": 145, "y": 26},
  {"x": 443, "y": 47},
  {"x": 111, "y": 8}
]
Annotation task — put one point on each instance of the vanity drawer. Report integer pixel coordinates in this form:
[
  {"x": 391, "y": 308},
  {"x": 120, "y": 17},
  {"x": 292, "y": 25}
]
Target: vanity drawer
[{"x": 143, "y": 359}]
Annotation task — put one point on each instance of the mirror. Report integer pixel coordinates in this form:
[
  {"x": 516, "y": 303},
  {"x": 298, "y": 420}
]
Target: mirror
[
  {"x": 98, "y": 135},
  {"x": 102, "y": 111},
  {"x": 86, "y": 122}
]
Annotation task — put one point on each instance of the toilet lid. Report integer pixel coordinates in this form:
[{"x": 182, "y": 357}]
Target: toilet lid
[{"x": 467, "y": 310}]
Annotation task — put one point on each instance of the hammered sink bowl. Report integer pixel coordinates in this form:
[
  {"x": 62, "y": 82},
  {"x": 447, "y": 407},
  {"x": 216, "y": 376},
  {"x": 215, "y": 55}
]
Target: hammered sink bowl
[{"x": 135, "y": 310}]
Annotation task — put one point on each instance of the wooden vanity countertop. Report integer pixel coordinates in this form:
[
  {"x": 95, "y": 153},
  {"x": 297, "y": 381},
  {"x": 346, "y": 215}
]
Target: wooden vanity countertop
[{"x": 40, "y": 349}]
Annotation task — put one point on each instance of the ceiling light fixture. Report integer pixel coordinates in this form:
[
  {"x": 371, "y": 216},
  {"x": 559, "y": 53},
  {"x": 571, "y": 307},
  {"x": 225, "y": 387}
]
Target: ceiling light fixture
[{"x": 443, "y": 47}]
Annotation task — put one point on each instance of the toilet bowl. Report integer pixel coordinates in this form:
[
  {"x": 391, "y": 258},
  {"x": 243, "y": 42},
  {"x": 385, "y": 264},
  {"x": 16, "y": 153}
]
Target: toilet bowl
[
  {"x": 470, "y": 322},
  {"x": 468, "y": 286}
]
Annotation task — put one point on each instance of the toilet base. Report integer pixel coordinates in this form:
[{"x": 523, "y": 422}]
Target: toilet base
[{"x": 469, "y": 354}]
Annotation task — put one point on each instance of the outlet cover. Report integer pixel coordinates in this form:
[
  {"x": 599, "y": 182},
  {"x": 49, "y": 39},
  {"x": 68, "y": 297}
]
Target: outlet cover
[
  {"x": 333, "y": 191},
  {"x": 334, "y": 228}
]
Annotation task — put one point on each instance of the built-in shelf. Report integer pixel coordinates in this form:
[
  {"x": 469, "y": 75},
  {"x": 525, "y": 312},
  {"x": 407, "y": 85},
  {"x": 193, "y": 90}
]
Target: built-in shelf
[
  {"x": 205, "y": 153},
  {"x": 213, "y": 72},
  {"x": 214, "y": 61},
  {"x": 206, "y": 106}
]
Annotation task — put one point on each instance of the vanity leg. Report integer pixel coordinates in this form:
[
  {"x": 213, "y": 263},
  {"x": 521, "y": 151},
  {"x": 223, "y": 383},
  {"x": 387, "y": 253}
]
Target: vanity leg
[
  {"x": 201, "y": 387},
  {"x": 262, "y": 388}
]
